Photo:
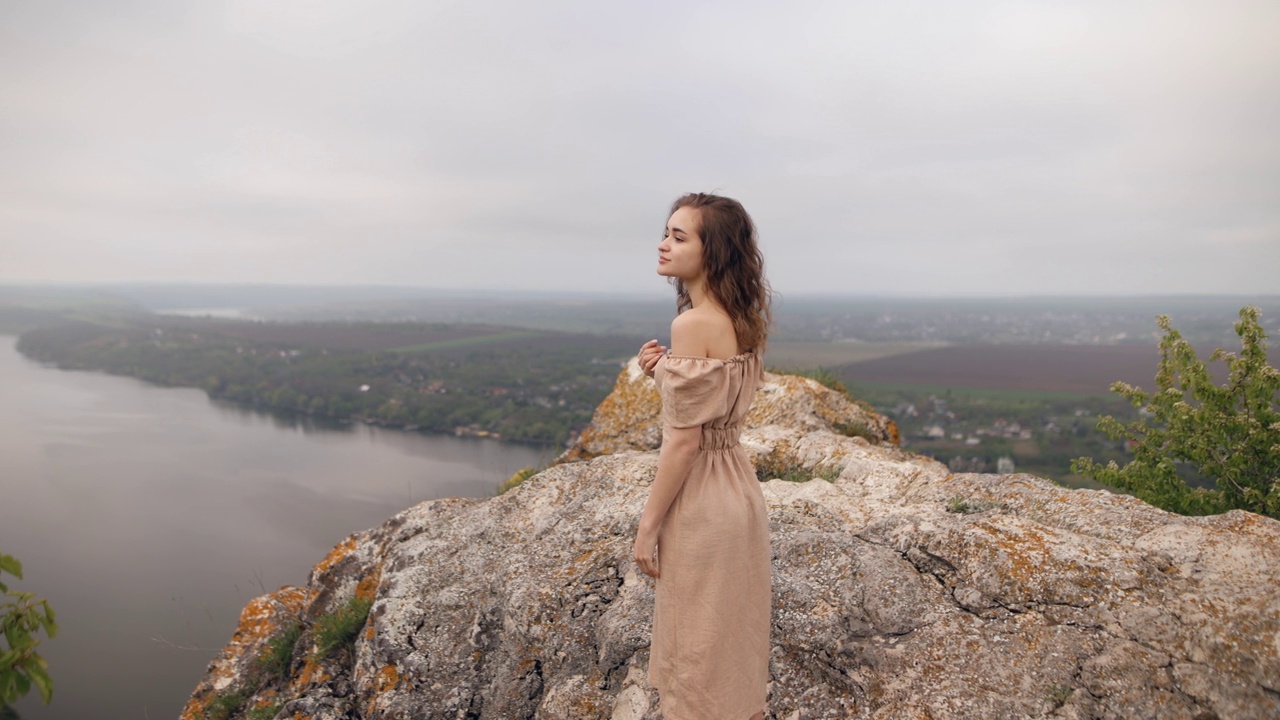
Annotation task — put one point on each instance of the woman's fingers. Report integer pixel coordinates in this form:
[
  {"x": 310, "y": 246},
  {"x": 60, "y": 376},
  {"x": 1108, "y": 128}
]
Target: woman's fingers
[
  {"x": 650, "y": 353},
  {"x": 646, "y": 556},
  {"x": 648, "y": 566}
]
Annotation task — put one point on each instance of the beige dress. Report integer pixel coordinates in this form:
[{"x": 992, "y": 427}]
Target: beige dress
[{"x": 710, "y": 654}]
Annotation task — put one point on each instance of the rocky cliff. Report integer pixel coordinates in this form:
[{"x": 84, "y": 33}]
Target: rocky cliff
[{"x": 900, "y": 591}]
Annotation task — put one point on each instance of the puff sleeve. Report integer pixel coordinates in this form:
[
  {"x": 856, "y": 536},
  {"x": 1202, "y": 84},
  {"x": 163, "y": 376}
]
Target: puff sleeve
[{"x": 694, "y": 390}]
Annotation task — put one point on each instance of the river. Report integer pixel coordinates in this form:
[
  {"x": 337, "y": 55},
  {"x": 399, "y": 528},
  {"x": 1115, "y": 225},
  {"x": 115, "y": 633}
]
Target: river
[{"x": 149, "y": 516}]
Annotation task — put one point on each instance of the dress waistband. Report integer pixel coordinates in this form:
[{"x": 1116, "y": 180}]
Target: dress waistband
[{"x": 720, "y": 438}]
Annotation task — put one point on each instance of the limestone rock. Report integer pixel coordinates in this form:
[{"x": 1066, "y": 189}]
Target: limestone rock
[
  {"x": 630, "y": 417},
  {"x": 1037, "y": 602}
]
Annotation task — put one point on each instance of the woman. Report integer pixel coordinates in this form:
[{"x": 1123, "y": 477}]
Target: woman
[{"x": 704, "y": 532}]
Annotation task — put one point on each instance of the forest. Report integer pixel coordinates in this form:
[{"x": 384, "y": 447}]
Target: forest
[{"x": 521, "y": 385}]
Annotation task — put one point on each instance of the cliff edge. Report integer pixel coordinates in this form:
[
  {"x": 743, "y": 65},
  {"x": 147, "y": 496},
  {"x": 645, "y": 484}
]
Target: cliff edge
[{"x": 900, "y": 591}]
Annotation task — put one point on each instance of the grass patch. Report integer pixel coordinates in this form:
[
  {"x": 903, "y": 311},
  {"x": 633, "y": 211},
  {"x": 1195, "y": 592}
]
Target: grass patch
[
  {"x": 963, "y": 506},
  {"x": 338, "y": 629},
  {"x": 770, "y": 468},
  {"x": 857, "y": 428},
  {"x": 519, "y": 477},
  {"x": 1058, "y": 695},
  {"x": 276, "y": 656},
  {"x": 226, "y": 704}
]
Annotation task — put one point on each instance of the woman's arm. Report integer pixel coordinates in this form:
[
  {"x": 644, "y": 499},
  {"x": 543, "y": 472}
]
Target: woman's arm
[
  {"x": 679, "y": 447},
  {"x": 675, "y": 459}
]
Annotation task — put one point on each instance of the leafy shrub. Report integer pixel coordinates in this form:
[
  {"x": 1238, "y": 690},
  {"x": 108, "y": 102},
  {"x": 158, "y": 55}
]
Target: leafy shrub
[
  {"x": 338, "y": 629},
  {"x": 22, "y": 616},
  {"x": 1229, "y": 434}
]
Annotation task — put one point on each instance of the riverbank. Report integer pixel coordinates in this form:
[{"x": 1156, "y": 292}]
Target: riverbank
[{"x": 526, "y": 386}]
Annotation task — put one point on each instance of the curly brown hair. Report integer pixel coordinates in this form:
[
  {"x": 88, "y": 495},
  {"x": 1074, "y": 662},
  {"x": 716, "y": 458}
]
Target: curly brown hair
[{"x": 734, "y": 265}]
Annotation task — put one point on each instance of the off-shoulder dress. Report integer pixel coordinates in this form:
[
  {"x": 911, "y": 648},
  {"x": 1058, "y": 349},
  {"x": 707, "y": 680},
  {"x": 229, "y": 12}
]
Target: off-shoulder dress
[{"x": 710, "y": 653}]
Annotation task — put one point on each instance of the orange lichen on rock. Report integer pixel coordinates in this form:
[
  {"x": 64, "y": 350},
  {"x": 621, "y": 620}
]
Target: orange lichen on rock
[
  {"x": 626, "y": 418},
  {"x": 1026, "y": 553},
  {"x": 196, "y": 706},
  {"x": 388, "y": 678},
  {"x": 312, "y": 674},
  {"x": 891, "y": 430},
  {"x": 385, "y": 682},
  {"x": 336, "y": 555},
  {"x": 367, "y": 588},
  {"x": 259, "y": 621}
]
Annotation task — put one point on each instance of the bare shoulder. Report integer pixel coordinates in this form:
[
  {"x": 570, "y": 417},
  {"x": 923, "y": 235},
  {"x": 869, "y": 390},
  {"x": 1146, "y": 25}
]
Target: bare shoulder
[
  {"x": 687, "y": 336},
  {"x": 703, "y": 332}
]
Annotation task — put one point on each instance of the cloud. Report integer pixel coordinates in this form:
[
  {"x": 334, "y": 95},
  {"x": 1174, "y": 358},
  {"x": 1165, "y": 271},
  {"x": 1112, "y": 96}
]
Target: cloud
[{"x": 910, "y": 147}]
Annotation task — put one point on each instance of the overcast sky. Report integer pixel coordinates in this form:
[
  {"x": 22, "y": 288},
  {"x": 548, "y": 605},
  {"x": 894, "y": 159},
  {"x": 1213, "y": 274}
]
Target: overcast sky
[{"x": 943, "y": 148}]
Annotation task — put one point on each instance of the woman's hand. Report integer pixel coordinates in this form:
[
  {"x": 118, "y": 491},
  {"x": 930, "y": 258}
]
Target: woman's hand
[
  {"x": 646, "y": 551},
  {"x": 650, "y": 353}
]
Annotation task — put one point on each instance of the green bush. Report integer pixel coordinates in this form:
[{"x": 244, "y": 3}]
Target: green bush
[
  {"x": 22, "y": 617},
  {"x": 338, "y": 629},
  {"x": 1228, "y": 435},
  {"x": 519, "y": 477}
]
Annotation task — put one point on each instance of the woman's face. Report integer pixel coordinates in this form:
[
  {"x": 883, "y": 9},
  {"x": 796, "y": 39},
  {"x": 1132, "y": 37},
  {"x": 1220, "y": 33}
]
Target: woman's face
[{"x": 680, "y": 252}]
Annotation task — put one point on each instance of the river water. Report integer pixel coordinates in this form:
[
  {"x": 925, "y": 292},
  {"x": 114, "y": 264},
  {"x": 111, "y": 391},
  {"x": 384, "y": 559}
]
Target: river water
[{"x": 149, "y": 516}]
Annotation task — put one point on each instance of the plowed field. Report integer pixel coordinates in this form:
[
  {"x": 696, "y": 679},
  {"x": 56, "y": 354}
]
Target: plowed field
[{"x": 1084, "y": 369}]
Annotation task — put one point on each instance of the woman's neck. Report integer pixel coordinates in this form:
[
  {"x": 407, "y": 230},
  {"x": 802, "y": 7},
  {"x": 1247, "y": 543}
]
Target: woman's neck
[{"x": 697, "y": 289}]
